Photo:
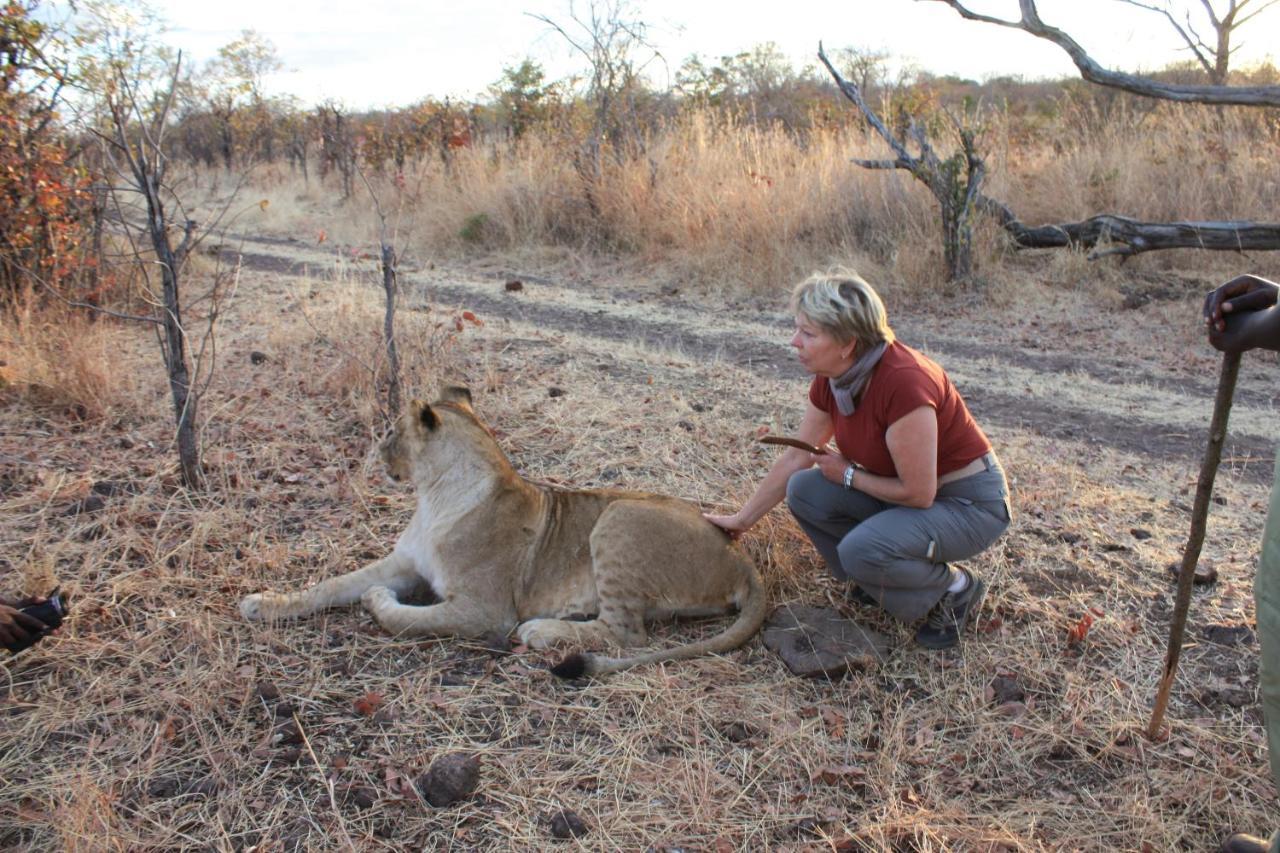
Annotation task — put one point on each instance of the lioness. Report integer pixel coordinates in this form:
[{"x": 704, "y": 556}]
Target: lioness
[{"x": 501, "y": 552}]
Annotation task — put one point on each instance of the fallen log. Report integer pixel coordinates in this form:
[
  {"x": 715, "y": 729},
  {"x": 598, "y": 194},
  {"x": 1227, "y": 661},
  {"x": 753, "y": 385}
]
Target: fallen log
[{"x": 1110, "y": 234}]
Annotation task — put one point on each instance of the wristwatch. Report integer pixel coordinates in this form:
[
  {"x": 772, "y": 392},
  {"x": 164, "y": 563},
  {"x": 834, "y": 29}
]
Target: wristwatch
[{"x": 848, "y": 477}]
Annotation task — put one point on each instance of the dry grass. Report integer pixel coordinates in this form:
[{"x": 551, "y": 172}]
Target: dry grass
[
  {"x": 717, "y": 204},
  {"x": 144, "y": 724},
  {"x": 61, "y": 358}
]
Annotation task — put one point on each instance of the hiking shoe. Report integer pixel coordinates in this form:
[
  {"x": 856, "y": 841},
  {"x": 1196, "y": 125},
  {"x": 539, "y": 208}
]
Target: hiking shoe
[
  {"x": 858, "y": 595},
  {"x": 942, "y": 627},
  {"x": 1241, "y": 843}
]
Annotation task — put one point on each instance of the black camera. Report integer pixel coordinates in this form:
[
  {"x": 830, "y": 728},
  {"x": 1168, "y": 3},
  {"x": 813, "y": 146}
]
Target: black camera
[{"x": 51, "y": 612}]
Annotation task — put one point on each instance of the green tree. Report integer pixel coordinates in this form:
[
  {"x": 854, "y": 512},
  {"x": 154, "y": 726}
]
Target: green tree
[
  {"x": 522, "y": 96},
  {"x": 234, "y": 86}
]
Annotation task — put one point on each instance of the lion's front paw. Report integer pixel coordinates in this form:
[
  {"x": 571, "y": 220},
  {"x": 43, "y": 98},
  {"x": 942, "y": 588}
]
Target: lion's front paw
[{"x": 377, "y": 598}]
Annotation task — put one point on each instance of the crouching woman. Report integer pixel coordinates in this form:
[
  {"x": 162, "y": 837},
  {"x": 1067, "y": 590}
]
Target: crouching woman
[{"x": 913, "y": 485}]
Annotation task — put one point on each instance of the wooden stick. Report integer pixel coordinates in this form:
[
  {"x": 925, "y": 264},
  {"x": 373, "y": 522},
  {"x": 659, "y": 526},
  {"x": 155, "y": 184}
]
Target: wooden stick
[
  {"x": 792, "y": 442},
  {"x": 1199, "y": 515}
]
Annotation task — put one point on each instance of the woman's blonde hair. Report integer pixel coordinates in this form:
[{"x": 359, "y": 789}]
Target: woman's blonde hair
[{"x": 842, "y": 303}]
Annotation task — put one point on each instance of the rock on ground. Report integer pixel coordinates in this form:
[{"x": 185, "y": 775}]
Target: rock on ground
[
  {"x": 450, "y": 778},
  {"x": 817, "y": 642}
]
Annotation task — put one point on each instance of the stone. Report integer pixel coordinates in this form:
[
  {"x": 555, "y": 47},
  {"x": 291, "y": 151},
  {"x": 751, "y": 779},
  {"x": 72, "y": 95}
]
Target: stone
[
  {"x": 1005, "y": 688},
  {"x": 737, "y": 731},
  {"x": 286, "y": 734},
  {"x": 450, "y": 778},
  {"x": 1228, "y": 635},
  {"x": 817, "y": 642},
  {"x": 566, "y": 825},
  {"x": 1205, "y": 572},
  {"x": 88, "y": 506}
]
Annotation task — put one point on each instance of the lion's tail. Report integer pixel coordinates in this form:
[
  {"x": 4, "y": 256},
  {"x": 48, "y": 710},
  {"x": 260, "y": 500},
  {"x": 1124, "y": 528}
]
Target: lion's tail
[{"x": 750, "y": 617}]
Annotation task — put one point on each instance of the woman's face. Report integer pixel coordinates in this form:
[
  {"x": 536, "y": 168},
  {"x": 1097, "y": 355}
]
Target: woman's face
[{"x": 818, "y": 351}]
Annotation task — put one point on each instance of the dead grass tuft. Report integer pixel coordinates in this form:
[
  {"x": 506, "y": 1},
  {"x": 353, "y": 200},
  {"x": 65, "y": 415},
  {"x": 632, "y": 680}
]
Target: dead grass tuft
[{"x": 63, "y": 359}]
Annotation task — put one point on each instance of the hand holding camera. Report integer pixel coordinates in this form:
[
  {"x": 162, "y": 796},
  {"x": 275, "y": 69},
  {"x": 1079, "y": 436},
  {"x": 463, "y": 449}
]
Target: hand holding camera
[{"x": 24, "y": 623}]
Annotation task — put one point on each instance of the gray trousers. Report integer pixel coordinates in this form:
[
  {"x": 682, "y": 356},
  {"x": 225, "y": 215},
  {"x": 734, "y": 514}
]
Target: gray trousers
[{"x": 899, "y": 554}]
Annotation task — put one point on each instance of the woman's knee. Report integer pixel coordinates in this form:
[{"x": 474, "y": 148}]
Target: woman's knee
[
  {"x": 868, "y": 558},
  {"x": 803, "y": 494}
]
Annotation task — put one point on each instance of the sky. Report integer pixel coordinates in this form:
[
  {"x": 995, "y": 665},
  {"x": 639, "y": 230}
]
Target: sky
[{"x": 378, "y": 53}]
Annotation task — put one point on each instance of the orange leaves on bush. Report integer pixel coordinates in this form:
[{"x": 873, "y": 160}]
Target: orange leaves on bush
[{"x": 45, "y": 217}]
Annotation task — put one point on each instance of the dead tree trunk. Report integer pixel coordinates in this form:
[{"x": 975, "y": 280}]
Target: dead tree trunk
[
  {"x": 955, "y": 182},
  {"x": 185, "y": 402},
  {"x": 389, "y": 285},
  {"x": 139, "y": 141}
]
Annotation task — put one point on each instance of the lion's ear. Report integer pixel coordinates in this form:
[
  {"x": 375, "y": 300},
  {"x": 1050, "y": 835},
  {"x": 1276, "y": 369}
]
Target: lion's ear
[
  {"x": 457, "y": 394},
  {"x": 425, "y": 415}
]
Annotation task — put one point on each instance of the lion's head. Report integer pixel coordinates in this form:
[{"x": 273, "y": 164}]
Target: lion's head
[{"x": 425, "y": 429}]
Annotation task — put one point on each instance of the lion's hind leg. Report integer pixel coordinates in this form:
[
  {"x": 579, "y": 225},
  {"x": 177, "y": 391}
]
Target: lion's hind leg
[{"x": 393, "y": 571}]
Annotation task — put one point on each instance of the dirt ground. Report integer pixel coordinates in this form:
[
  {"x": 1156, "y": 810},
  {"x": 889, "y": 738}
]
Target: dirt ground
[{"x": 157, "y": 719}]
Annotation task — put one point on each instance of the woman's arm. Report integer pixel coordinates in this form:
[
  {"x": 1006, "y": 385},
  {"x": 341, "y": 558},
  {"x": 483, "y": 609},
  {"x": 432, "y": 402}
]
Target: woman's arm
[
  {"x": 815, "y": 428},
  {"x": 913, "y": 446}
]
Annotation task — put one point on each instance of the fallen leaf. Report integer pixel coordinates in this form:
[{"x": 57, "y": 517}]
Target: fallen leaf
[
  {"x": 834, "y": 724},
  {"x": 839, "y": 774},
  {"x": 369, "y": 703},
  {"x": 1080, "y": 630}
]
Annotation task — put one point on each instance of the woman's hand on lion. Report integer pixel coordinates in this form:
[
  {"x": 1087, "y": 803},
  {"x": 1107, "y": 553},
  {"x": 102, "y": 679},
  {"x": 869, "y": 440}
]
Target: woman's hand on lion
[{"x": 730, "y": 524}]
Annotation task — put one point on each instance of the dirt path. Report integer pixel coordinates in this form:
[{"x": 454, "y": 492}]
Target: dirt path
[{"x": 1121, "y": 402}]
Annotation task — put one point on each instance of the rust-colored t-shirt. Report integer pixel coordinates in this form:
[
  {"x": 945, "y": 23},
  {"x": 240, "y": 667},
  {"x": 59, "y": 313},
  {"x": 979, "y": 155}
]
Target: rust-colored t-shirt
[{"x": 903, "y": 381}]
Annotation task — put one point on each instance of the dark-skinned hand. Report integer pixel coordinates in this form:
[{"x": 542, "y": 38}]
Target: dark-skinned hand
[
  {"x": 1242, "y": 315},
  {"x": 15, "y": 625},
  {"x": 1242, "y": 293}
]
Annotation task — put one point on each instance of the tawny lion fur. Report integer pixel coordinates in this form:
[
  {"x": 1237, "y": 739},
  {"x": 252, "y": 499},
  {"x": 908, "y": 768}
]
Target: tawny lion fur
[{"x": 502, "y": 553}]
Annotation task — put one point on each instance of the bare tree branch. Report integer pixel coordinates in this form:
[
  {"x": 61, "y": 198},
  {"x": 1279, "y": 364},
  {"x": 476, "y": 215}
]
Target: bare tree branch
[
  {"x": 854, "y": 94},
  {"x": 1245, "y": 96},
  {"x": 1255, "y": 13},
  {"x": 883, "y": 164},
  {"x": 954, "y": 182},
  {"x": 1194, "y": 44}
]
